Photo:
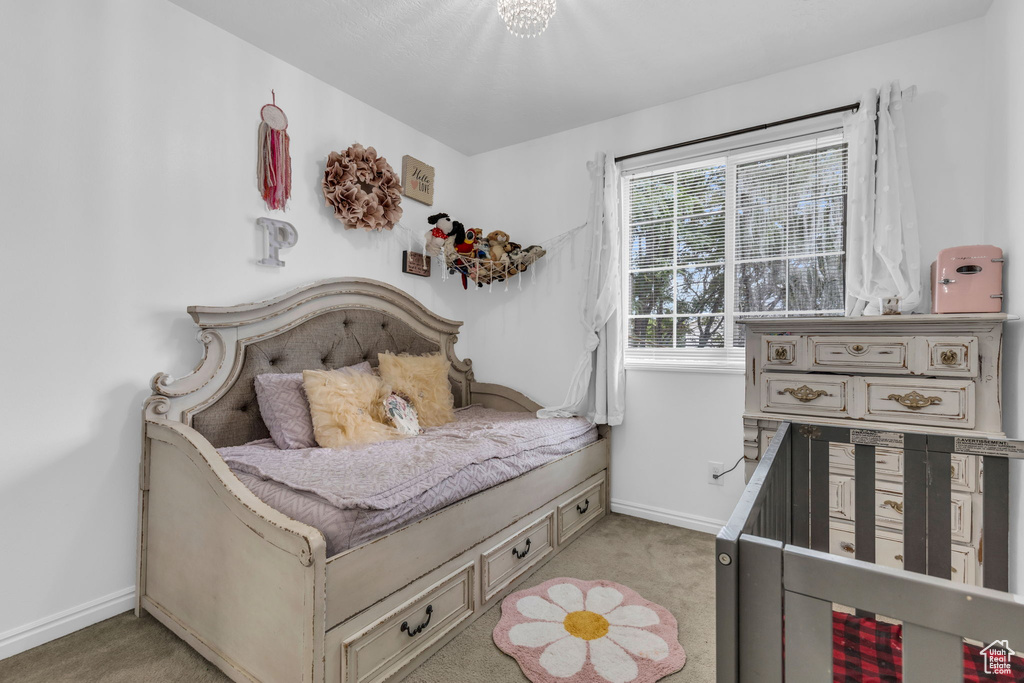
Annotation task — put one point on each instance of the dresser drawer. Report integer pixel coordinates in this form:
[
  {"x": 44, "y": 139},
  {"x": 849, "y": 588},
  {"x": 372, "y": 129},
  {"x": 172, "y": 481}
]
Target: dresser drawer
[
  {"x": 888, "y": 461},
  {"x": 889, "y": 552},
  {"x": 805, "y": 394},
  {"x": 574, "y": 514},
  {"x": 889, "y": 511},
  {"x": 375, "y": 653},
  {"x": 840, "y": 497},
  {"x": 782, "y": 351},
  {"x": 860, "y": 354},
  {"x": 889, "y": 465},
  {"x": 507, "y": 561},
  {"x": 944, "y": 402},
  {"x": 952, "y": 356}
]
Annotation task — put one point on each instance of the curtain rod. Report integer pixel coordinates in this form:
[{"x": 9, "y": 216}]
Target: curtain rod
[{"x": 764, "y": 126}]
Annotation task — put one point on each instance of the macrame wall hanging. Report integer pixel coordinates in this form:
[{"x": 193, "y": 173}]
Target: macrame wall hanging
[
  {"x": 274, "y": 166},
  {"x": 363, "y": 189}
]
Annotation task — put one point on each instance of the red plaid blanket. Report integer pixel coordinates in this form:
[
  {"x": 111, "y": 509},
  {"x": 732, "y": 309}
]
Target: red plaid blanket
[{"x": 869, "y": 651}]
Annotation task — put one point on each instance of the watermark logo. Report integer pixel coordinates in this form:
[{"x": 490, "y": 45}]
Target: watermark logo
[{"x": 997, "y": 657}]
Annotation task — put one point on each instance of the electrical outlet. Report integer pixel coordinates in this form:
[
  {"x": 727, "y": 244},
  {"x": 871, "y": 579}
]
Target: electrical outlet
[{"x": 713, "y": 469}]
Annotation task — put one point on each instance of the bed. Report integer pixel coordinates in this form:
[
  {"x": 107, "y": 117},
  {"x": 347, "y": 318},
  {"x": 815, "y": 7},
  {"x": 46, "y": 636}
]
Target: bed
[
  {"x": 788, "y": 609},
  {"x": 271, "y": 577}
]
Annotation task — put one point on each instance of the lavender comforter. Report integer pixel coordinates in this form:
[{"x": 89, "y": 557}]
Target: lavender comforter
[{"x": 356, "y": 494}]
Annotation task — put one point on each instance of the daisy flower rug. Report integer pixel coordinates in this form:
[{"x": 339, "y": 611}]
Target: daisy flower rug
[{"x": 571, "y": 631}]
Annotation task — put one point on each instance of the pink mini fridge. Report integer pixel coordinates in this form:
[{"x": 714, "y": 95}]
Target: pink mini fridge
[{"x": 968, "y": 280}]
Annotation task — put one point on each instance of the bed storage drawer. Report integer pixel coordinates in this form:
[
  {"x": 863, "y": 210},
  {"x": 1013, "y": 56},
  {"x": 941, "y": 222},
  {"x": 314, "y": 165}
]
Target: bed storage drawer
[
  {"x": 825, "y": 395},
  {"x": 860, "y": 354},
  {"x": 941, "y": 402},
  {"x": 376, "y": 652},
  {"x": 505, "y": 562},
  {"x": 574, "y": 514}
]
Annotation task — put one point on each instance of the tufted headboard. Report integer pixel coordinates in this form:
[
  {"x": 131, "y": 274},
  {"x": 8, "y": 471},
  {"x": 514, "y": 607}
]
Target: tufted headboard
[{"x": 326, "y": 325}]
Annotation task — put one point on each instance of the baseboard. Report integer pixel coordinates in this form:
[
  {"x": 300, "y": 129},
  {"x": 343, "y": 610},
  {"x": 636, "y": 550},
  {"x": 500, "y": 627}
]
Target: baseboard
[
  {"x": 694, "y": 522},
  {"x": 61, "y": 624}
]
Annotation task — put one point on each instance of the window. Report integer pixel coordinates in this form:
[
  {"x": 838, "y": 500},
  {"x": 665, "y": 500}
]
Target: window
[{"x": 715, "y": 241}]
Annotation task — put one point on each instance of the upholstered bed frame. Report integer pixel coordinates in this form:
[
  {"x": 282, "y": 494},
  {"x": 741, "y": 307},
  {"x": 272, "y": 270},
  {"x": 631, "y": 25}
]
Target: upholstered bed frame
[{"x": 252, "y": 589}]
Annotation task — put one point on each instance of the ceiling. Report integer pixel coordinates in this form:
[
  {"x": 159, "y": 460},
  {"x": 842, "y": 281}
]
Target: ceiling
[{"x": 450, "y": 69}]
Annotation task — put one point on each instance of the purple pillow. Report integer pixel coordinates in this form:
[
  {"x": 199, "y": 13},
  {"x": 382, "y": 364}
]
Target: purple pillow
[{"x": 285, "y": 409}]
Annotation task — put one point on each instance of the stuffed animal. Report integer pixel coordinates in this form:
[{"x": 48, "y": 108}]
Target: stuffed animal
[
  {"x": 499, "y": 246},
  {"x": 463, "y": 243},
  {"x": 529, "y": 256},
  {"x": 436, "y": 236}
]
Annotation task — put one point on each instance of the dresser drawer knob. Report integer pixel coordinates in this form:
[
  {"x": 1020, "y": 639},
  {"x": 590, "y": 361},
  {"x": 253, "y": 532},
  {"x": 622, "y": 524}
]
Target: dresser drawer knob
[
  {"x": 583, "y": 507},
  {"x": 781, "y": 353},
  {"x": 897, "y": 506},
  {"x": 949, "y": 357},
  {"x": 914, "y": 400},
  {"x": 416, "y": 631},
  {"x": 518, "y": 555},
  {"x": 804, "y": 394},
  {"x": 847, "y": 547}
]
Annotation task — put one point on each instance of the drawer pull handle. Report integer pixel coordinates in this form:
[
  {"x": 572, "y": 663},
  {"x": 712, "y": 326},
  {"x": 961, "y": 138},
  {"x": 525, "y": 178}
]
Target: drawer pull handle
[
  {"x": 914, "y": 400},
  {"x": 897, "y": 506},
  {"x": 519, "y": 555},
  {"x": 900, "y": 558},
  {"x": 416, "y": 631},
  {"x": 847, "y": 547},
  {"x": 582, "y": 509},
  {"x": 781, "y": 353},
  {"x": 804, "y": 394},
  {"x": 949, "y": 357}
]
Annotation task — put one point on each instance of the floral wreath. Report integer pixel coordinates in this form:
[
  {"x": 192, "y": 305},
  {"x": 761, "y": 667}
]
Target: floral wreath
[{"x": 363, "y": 189}]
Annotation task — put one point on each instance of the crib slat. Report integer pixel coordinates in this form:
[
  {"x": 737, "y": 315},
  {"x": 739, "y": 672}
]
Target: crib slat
[
  {"x": 915, "y": 504},
  {"x": 801, "y": 452},
  {"x": 808, "y": 639},
  {"x": 996, "y": 520},
  {"x": 931, "y": 656},
  {"x": 761, "y": 621},
  {"x": 939, "y": 512},
  {"x": 864, "y": 502},
  {"x": 819, "y": 495}
]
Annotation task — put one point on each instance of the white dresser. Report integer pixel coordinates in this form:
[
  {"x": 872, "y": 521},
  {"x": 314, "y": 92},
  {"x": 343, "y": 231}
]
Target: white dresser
[{"x": 927, "y": 373}]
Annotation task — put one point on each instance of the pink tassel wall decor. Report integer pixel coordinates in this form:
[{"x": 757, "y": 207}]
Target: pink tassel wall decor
[{"x": 274, "y": 165}]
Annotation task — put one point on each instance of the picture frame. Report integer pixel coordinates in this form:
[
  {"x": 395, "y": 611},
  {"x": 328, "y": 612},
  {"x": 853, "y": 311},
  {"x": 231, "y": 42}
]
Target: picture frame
[{"x": 418, "y": 180}]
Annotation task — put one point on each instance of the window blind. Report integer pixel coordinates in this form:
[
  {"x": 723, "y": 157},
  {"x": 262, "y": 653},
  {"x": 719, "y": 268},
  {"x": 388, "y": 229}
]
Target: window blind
[{"x": 714, "y": 242}]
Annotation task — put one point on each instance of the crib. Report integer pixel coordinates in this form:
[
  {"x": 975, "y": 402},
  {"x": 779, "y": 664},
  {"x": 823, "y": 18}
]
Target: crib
[{"x": 782, "y": 598}]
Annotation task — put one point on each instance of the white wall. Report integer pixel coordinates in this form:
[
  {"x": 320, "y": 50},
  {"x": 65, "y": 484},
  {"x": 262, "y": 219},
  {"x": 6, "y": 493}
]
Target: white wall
[
  {"x": 676, "y": 422},
  {"x": 127, "y": 169},
  {"x": 1004, "y": 87}
]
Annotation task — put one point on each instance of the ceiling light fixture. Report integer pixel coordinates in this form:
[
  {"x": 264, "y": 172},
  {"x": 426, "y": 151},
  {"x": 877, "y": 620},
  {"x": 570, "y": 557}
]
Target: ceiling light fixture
[{"x": 526, "y": 18}]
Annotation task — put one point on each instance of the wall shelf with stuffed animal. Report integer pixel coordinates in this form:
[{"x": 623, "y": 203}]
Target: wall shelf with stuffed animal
[{"x": 484, "y": 259}]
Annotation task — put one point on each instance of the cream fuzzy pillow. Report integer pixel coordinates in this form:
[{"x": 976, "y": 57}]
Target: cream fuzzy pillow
[
  {"x": 347, "y": 407},
  {"x": 424, "y": 379}
]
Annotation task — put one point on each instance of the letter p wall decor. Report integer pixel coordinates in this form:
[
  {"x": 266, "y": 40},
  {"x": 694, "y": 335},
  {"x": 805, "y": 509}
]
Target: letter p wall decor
[{"x": 278, "y": 235}]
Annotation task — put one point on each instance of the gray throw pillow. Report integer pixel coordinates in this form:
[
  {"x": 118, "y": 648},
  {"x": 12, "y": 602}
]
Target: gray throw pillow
[{"x": 285, "y": 409}]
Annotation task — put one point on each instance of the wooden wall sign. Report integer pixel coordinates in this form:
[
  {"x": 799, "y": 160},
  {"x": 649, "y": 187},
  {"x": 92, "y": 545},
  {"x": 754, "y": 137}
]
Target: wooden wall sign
[
  {"x": 418, "y": 180},
  {"x": 415, "y": 263}
]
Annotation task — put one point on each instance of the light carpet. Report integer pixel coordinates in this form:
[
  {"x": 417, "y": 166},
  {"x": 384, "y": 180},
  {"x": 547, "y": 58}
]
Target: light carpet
[{"x": 671, "y": 566}]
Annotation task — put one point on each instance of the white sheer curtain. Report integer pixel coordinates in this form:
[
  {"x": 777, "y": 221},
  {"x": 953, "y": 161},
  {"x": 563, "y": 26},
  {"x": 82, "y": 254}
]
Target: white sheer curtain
[
  {"x": 883, "y": 255},
  {"x": 597, "y": 390}
]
